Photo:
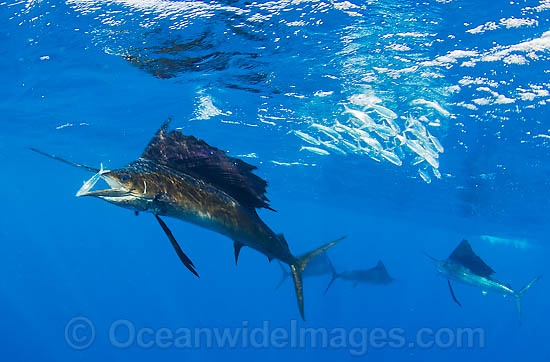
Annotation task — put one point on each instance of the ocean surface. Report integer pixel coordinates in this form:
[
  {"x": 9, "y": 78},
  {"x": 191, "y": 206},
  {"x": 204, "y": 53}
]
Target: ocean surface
[{"x": 405, "y": 126}]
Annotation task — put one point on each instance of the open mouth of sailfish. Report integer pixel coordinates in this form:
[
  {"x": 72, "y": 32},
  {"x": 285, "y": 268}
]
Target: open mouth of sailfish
[{"x": 116, "y": 189}]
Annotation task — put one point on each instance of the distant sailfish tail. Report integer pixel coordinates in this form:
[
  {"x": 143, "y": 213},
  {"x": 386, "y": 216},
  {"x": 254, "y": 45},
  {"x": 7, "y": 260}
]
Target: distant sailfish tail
[
  {"x": 335, "y": 275},
  {"x": 520, "y": 294},
  {"x": 298, "y": 268},
  {"x": 286, "y": 274}
]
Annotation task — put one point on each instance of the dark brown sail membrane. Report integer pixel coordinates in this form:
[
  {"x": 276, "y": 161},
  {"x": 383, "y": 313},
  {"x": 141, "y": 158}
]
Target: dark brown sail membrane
[
  {"x": 465, "y": 255},
  {"x": 195, "y": 157}
]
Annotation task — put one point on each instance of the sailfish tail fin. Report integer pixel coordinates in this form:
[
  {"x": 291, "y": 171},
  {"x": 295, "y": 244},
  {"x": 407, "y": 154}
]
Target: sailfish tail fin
[
  {"x": 519, "y": 295},
  {"x": 297, "y": 268},
  {"x": 285, "y": 275},
  {"x": 333, "y": 278}
]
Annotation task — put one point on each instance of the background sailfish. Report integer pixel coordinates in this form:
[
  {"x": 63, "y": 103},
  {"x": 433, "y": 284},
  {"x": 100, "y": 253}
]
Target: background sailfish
[
  {"x": 376, "y": 275},
  {"x": 185, "y": 178},
  {"x": 463, "y": 265}
]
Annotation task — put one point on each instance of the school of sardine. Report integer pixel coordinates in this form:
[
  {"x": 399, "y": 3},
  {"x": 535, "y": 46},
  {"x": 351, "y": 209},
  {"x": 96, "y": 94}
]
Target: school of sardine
[{"x": 370, "y": 129}]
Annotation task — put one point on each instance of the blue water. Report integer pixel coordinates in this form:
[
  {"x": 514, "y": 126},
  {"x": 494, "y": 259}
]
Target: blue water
[{"x": 93, "y": 80}]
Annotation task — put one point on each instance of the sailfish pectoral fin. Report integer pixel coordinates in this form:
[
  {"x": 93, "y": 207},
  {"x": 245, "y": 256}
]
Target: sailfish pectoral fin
[
  {"x": 453, "y": 293},
  {"x": 184, "y": 258}
]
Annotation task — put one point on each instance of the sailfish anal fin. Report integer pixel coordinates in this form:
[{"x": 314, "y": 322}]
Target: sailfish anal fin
[
  {"x": 238, "y": 247},
  {"x": 453, "y": 293},
  {"x": 184, "y": 258}
]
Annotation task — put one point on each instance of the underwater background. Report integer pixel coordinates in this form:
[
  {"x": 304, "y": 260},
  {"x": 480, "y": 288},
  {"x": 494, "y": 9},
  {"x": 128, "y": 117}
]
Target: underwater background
[{"x": 93, "y": 80}]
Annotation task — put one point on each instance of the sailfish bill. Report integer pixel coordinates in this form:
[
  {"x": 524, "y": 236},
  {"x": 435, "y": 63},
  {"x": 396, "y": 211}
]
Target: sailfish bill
[
  {"x": 90, "y": 183},
  {"x": 463, "y": 265},
  {"x": 183, "y": 177}
]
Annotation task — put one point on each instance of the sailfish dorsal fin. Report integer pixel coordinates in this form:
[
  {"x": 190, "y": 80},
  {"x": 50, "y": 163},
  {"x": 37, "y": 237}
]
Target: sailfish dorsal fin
[
  {"x": 464, "y": 254},
  {"x": 196, "y": 158},
  {"x": 382, "y": 269},
  {"x": 380, "y": 265}
]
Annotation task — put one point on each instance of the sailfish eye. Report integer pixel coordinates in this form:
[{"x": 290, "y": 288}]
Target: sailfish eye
[{"x": 125, "y": 177}]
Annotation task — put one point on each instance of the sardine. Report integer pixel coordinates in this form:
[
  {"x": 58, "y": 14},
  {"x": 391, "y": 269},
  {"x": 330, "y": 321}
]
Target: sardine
[
  {"x": 438, "y": 146},
  {"x": 394, "y": 126},
  {"x": 373, "y": 157},
  {"x": 350, "y": 146},
  {"x": 398, "y": 150},
  {"x": 334, "y": 148},
  {"x": 383, "y": 111},
  {"x": 326, "y": 130},
  {"x": 371, "y": 153},
  {"x": 401, "y": 138},
  {"x": 329, "y": 135},
  {"x": 307, "y": 138},
  {"x": 384, "y": 131},
  {"x": 364, "y": 100},
  {"x": 372, "y": 142},
  {"x": 433, "y": 105},
  {"x": 415, "y": 146},
  {"x": 417, "y": 160},
  {"x": 430, "y": 149},
  {"x": 392, "y": 157},
  {"x": 416, "y": 125},
  {"x": 364, "y": 118},
  {"x": 91, "y": 182},
  {"x": 421, "y": 137},
  {"x": 315, "y": 150},
  {"x": 424, "y": 175},
  {"x": 346, "y": 129}
]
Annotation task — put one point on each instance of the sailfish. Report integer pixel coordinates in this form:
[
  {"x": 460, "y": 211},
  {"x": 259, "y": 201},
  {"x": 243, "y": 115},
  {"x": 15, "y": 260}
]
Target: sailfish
[
  {"x": 183, "y": 177},
  {"x": 377, "y": 275},
  {"x": 463, "y": 265}
]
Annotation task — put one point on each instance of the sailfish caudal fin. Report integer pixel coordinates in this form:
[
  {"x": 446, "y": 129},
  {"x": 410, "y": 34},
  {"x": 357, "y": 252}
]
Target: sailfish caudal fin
[
  {"x": 334, "y": 276},
  {"x": 520, "y": 294},
  {"x": 298, "y": 267},
  {"x": 286, "y": 274}
]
